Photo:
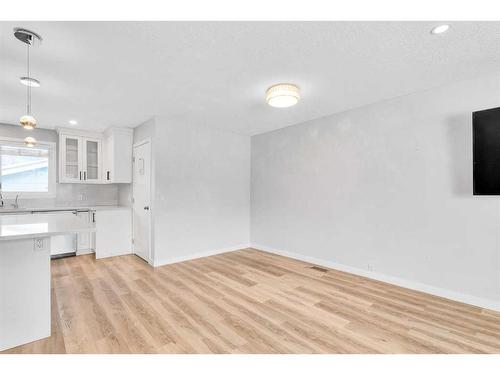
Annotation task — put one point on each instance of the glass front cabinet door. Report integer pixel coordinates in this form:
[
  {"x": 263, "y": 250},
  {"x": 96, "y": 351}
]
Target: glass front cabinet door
[
  {"x": 80, "y": 159},
  {"x": 71, "y": 159},
  {"x": 92, "y": 160}
]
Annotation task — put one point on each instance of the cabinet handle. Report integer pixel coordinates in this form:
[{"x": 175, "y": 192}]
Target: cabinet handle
[
  {"x": 107, "y": 175},
  {"x": 93, "y": 217},
  {"x": 80, "y": 175},
  {"x": 85, "y": 175}
]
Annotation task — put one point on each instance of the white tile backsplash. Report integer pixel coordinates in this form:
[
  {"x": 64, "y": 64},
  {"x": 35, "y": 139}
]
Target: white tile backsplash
[
  {"x": 75, "y": 195},
  {"x": 125, "y": 195}
]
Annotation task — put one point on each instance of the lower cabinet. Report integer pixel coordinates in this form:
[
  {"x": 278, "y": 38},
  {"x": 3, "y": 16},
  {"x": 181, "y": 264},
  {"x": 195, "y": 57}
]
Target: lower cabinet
[{"x": 113, "y": 235}]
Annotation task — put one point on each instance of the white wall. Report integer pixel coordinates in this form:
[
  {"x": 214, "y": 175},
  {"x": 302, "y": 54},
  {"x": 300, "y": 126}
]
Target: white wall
[
  {"x": 146, "y": 130},
  {"x": 125, "y": 195},
  {"x": 385, "y": 187},
  {"x": 201, "y": 191}
]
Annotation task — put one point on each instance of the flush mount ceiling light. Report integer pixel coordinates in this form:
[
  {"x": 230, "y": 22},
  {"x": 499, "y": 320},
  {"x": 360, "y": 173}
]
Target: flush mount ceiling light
[
  {"x": 440, "y": 29},
  {"x": 283, "y": 95},
  {"x": 30, "y": 38},
  {"x": 28, "y": 81},
  {"x": 73, "y": 122},
  {"x": 30, "y": 141}
]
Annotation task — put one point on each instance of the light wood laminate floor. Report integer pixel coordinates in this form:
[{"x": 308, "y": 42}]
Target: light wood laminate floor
[{"x": 249, "y": 301}]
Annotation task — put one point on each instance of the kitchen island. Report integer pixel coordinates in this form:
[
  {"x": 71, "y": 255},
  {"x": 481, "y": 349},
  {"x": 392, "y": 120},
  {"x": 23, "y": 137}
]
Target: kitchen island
[{"x": 25, "y": 274}]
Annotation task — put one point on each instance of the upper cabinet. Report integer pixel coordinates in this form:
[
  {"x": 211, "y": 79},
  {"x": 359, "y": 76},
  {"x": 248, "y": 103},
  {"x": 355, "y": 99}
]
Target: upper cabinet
[
  {"x": 95, "y": 158},
  {"x": 80, "y": 158},
  {"x": 118, "y": 155}
]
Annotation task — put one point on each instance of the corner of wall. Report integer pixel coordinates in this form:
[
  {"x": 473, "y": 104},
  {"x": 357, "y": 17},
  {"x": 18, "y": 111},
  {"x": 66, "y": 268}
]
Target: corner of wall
[{"x": 204, "y": 254}]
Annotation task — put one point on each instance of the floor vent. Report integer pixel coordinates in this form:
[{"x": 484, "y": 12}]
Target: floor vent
[{"x": 320, "y": 269}]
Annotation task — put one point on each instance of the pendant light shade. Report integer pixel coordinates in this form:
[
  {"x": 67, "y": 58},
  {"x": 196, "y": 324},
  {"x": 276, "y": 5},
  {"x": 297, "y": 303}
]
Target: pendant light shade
[
  {"x": 30, "y": 141},
  {"x": 28, "y": 81},
  {"x": 28, "y": 122}
]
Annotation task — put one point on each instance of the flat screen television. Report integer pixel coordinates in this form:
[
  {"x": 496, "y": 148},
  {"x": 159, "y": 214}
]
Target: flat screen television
[{"x": 486, "y": 151}]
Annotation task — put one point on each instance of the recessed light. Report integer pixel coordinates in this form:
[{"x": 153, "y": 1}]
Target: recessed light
[
  {"x": 28, "y": 81},
  {"x": 440, "y": 29},
  {"x": 73, "y": 122},
  {"x": 283, "y": 95}
]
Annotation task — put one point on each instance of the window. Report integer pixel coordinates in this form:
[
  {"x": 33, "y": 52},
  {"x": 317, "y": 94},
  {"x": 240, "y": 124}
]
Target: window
[{"x": 28, "y": 171}]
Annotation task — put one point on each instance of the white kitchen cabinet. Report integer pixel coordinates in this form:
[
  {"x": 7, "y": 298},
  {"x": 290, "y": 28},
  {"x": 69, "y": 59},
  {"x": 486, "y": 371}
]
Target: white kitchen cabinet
[
  {"x": 80, "y": 157},
  {"x": 118, "y": 155},
  {"x": 113, "y": 234}
]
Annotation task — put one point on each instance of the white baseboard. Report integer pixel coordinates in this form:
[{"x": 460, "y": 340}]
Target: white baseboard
[
  {"x": 203, "y": 254},
  {"x": 85, "y": 252},
  {"x": 455, "y": 296}
]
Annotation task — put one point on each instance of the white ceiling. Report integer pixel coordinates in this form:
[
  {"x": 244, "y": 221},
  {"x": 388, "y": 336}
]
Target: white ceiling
[{"x": 216, "y": 73}]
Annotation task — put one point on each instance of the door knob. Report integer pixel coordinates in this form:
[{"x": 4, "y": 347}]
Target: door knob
[{"x": 146, "y": 207}]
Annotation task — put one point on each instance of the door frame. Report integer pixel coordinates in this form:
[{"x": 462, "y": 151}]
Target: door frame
[{"x": 151, "y": 246}]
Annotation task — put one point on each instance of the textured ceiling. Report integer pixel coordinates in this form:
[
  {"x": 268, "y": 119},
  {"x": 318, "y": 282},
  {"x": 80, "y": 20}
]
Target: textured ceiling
[{"x": 215, "y": 73}]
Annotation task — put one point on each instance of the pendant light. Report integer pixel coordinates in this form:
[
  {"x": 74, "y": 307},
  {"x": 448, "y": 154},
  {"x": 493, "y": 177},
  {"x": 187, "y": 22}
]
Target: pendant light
[
  {"x": 30, "y": 38},
  {"x": 30, "y": 141}
]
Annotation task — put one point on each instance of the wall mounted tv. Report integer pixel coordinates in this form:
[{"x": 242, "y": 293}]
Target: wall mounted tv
[{"x": 486, "y": 151}]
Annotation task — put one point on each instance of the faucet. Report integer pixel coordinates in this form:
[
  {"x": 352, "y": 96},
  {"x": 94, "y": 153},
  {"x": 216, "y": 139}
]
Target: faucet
[{"x": 16, "y": 202}]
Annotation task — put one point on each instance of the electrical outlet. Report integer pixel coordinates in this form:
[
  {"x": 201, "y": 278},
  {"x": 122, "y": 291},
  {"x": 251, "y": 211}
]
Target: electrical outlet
[{"x": 39, "y": 244}]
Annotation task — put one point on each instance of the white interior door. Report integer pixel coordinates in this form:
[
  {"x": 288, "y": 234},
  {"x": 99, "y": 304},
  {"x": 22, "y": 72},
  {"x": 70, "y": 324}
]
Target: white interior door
[{"x": 141, "y": 189}]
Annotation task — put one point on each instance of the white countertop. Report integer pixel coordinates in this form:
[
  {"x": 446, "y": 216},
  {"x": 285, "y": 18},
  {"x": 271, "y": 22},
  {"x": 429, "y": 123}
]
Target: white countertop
[
  {"x": 20, "y": 210},
  {"x": 14, "y": 227}
]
